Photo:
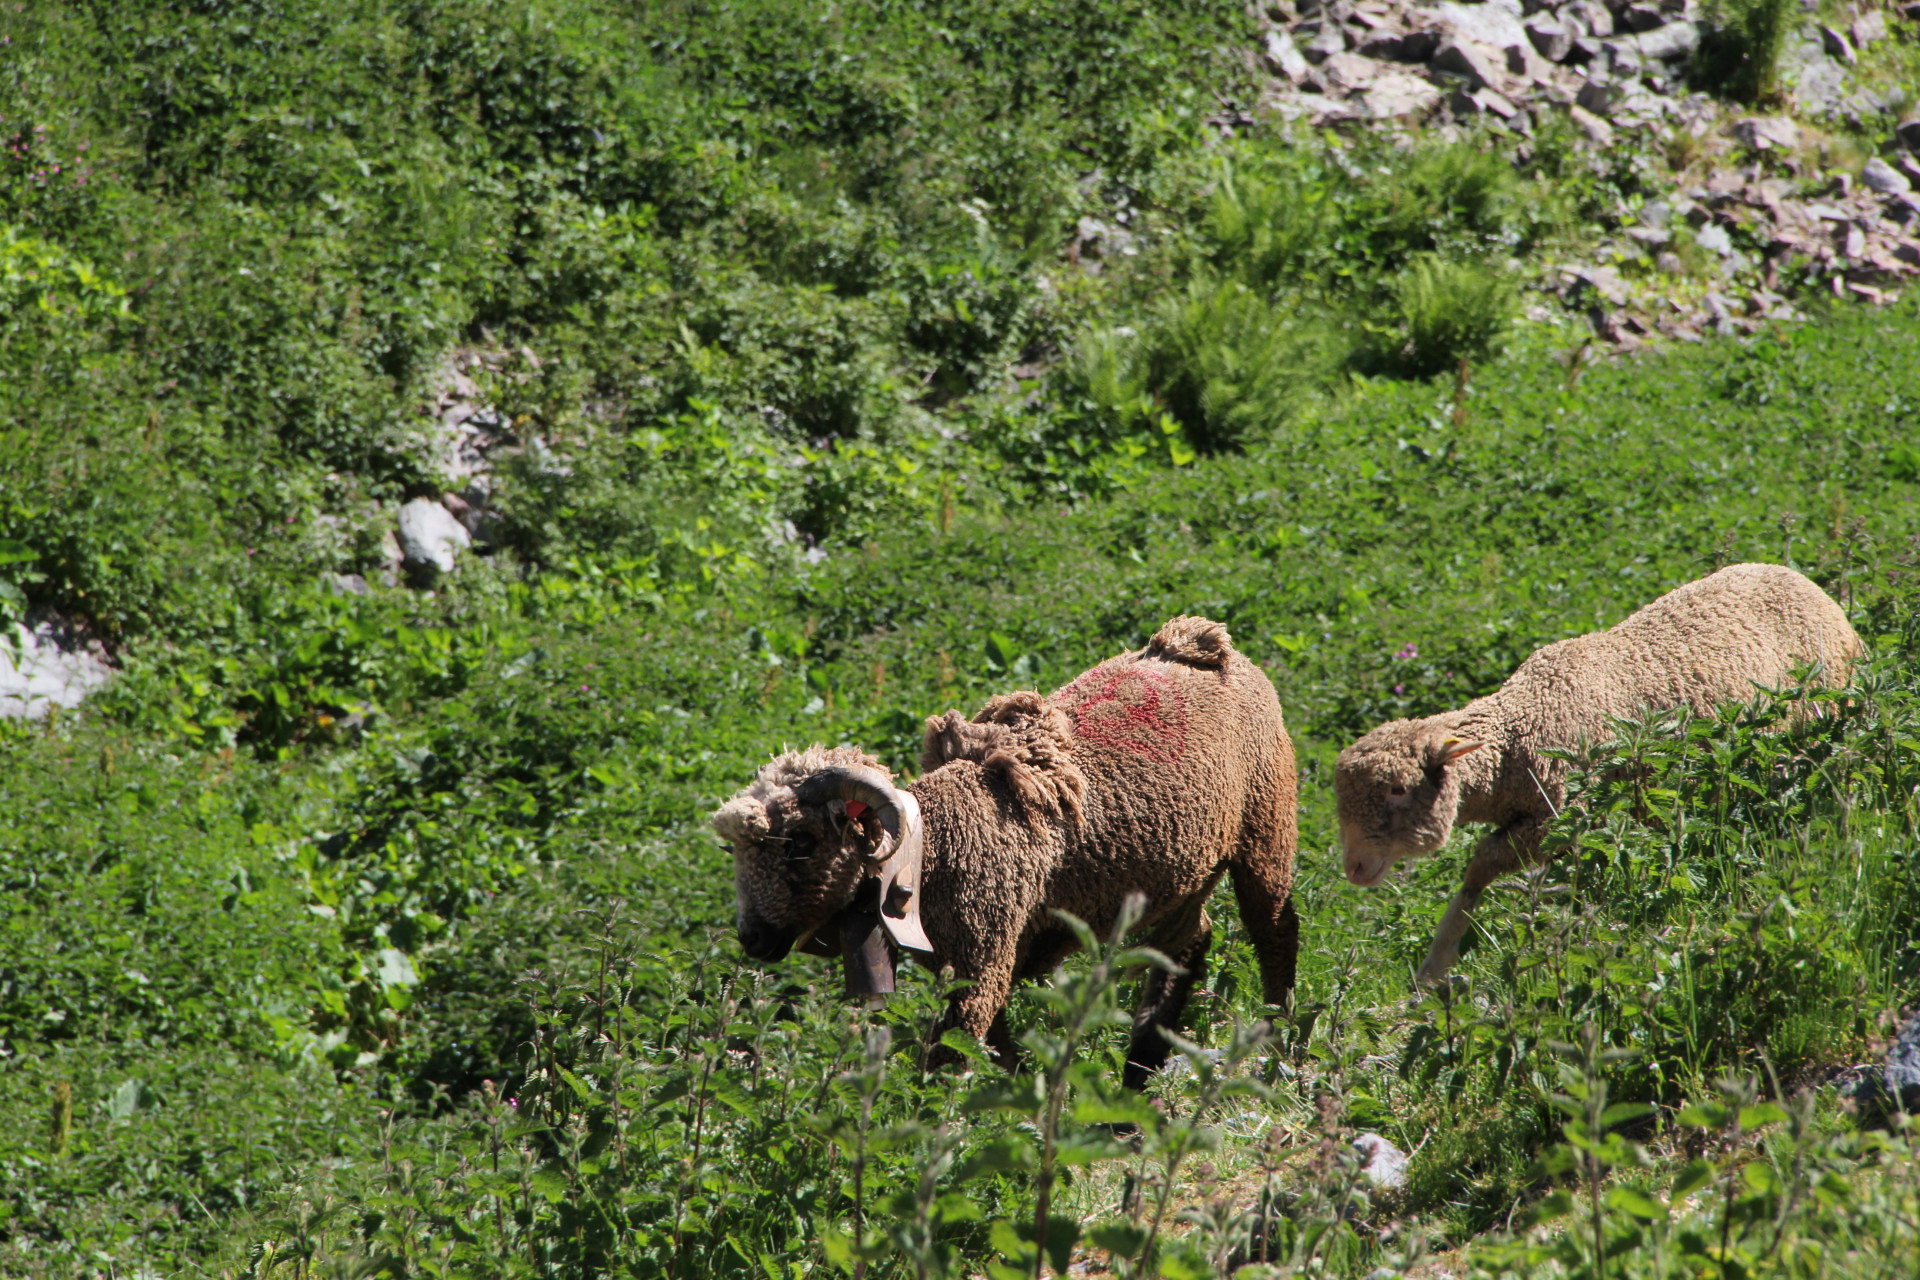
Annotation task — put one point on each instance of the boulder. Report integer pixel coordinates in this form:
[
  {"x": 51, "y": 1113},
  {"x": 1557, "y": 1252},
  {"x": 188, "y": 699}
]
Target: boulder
[
  {"x": 1551, "y": 38},
  {"x": 1331, "y": 39},
  {"x": 1478, "y": 64},
  {"x": 1492, "y": 24},
  {"x": 430, "y": 538},
  {"x": 47, "y": 663},
  {"x": 1714, "y": 239},
  {"x": 1868, "y": 28},
  {"x": 1395, "y": 93},
  {"x": 1837, "y": 46},
  {"x": 1352, "y": 72},
  {"x": 1764, "y": 133},
  {"x": 1643, "y": 17},
  {"x": 1284, "y": 57},
  {"x": 1594, "y": 17},
  {"x": 1661, "y": 44},
  {"x": 1386, "y": 1164},
  {"x": 1599, "y": 96},
  {"x": 1524, "y": 60},
  {"x": 1596, "y": 130},
  {"x": 1883, "y": 179},
  {"x": 1902, "y": 1075}
]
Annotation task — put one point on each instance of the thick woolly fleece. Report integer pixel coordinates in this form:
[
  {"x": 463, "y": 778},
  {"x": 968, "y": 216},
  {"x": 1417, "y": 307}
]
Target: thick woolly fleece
[
  {"x": 1152, "y": 773},
  {"x": 1400, "y": 789}
]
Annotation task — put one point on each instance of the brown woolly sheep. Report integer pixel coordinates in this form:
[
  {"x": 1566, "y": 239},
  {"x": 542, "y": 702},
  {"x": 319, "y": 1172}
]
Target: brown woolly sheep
[
  {"x": 1152, "y": 773},
  {"x": 1400, "y": 789}
]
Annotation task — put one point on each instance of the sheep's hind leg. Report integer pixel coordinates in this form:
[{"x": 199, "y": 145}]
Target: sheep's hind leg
[
  {"x": 1500, "y": 852},
  {"x": 1184, "y": 937},
  {"x": 1264, "y": 890}
]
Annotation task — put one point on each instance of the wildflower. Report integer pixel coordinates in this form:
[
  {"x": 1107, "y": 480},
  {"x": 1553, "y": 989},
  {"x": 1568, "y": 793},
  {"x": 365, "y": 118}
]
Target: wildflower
[
  {"x": 1399, "y": 688},
  {"x": 1407, "y": 653}
]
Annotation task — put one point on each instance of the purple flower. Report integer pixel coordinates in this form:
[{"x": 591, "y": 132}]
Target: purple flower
[
  {"x": 1407, "y": 653},
  {"x": 1399, "y": 688}
]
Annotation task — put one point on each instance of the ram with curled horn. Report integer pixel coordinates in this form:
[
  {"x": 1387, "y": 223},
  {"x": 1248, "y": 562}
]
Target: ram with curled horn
[{"x": 1156, "y": 772}]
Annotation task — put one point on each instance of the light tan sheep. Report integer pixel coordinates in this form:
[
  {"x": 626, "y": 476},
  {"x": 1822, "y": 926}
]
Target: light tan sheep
[
  {"x": 1153, "y": 773},
  {"x": 1401, "y": 789}
]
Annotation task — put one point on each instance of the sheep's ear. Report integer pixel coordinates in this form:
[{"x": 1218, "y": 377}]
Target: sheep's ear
[{"x": 741, "y": 820}]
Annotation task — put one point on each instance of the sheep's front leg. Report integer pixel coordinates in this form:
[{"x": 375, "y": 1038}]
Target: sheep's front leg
[
  {"x": 981, "y": 1012},
  {"x": 1500, "y": 852}
]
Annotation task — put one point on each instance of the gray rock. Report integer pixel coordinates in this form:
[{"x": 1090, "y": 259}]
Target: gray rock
[
  {"x": 1884, "y": 179},
  {"x": 1524, "y": 60},
  {"x": 47, "y": 663},
  {"x": 1643, "y": 17},
  {"x": 1284, "y": 57},
  {"x": 1868, "y": 28},
  {"x": 346, "y": 584},
  {"x": 1599, "y": 96},
  {"x": 430, "y": 538},
  {"x": 1656, "y": 214},
  {"x": 1817, "y": 80},
  {"x": 1661, "y": 44},
  {"x": 1836, "y": 46},
  {"x": 1763, "y": 133},
  {"x": 1908, "y": 132},
  {"x": 1604, "y": 281},
  {"x": 1714, "y": 239},
  {"x": 1596, "y": 130},
  {"x": 1492, "y": 24},
  {"x": 1395, "y": 93},
  {"x": 1419, "y": 46},
  {"x": 1594, "y": 16},
  {"x": 1551, "y": 39},
  {"x": 1328, "y": 42},
  {"x": 1386, "y": 1165},
  {"x": 1895, "y": 1085},
  {"x": 1478, "y": 64}
]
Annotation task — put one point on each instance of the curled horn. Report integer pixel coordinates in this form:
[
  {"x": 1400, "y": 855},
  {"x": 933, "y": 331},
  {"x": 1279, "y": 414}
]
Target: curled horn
[{"x": 899, "y": 855}]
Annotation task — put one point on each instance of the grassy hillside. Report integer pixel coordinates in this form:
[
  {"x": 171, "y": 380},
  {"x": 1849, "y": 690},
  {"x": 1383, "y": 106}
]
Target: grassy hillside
[{"x": 381, "y": 934}]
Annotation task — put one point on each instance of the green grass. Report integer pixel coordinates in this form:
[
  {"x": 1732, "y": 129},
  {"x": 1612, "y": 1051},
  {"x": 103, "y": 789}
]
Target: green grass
[{"x": 383, "y": 935}]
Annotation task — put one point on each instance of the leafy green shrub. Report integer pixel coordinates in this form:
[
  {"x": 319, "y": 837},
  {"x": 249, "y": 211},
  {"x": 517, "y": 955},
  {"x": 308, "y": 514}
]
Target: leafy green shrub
[
  {"x": 1439, "y": 314},
  {"x": 1221, "y": 361},
  {"x": 1741, "y": 53}
]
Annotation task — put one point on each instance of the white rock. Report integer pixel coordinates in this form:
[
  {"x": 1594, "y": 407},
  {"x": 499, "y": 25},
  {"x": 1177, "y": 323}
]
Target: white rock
[
  {"x": 1284, "y": 58},
  {"x": 1662, "y": 44},
  {"x": 47, "y": 665},
  {"x": 1762, "y": 133},
  {"x": 1481, "y": 66},
  {"x": 1495, "y": 25},
  {"x": 1396, "y": 93},
  {"x": 1597, "y": 131},
  {"x": 1868, "y": 28},
  {"x": 1593, "y": 16},
  {"x": 1713, "y": 238},
  {"x": 1386, "y": 1165},
  {"x": 430, "y": 538},
  {"x": 1551, "y": 38},
  {"x": 1881, "y": 177}
]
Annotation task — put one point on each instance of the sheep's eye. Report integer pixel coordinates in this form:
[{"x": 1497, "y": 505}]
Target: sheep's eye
[
  {"x": 799, "y": 849},
  {"x": 1396, "y": 791}
]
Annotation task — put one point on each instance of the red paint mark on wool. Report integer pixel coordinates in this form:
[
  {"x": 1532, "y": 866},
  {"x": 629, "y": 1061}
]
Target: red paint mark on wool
[{"x": 1137, "y": 711}]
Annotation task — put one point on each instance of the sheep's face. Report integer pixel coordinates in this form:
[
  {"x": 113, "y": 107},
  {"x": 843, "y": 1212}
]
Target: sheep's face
[
  {"x": 1396, "y": 793},
  {"x": 794, "y": 865}
]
